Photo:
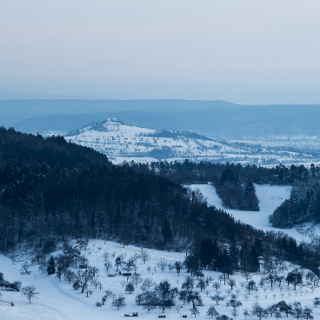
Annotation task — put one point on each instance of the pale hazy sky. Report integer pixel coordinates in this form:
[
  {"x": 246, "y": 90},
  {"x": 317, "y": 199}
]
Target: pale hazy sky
[{"x": 249, "y": 51}]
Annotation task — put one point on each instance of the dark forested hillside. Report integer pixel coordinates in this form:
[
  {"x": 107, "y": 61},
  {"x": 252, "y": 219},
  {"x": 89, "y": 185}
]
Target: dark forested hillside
[
  {"x": 303, "y": 206},
  {"x": 53, "y": 190},
  {"x": 236, "y": 194}
]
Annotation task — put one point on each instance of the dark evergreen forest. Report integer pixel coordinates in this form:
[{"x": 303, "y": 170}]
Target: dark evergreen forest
[
  {"x": 303, "y": 206},
  {"x": 52, "y": 190}
]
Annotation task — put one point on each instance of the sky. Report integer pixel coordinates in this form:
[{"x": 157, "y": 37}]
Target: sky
[{"x": 245, "y": 51}]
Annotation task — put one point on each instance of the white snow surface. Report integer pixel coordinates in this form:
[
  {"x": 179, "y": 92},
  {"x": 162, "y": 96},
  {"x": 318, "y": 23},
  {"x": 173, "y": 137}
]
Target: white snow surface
[
  {"x": 270, "y": 198},
  {"x": 125, "y": 143},
  {"x": 58, "y": 301}
]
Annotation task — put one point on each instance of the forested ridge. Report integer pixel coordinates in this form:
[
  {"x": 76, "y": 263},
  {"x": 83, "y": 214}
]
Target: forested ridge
[
  {"x": 201, "y": 172},
  {"x": 234, "y": 183},
  {"x": 53, "y": 190}
]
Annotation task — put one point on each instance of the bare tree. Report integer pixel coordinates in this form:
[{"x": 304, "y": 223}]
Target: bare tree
[
  {"x": 194, "y": 311},
  {"x": 212, "y": 312},
  {"x": 86, "y": 277},
  {"x": 258, "y": 311},
  {"x": 144, "y": 255},
  {"x": 25, "y": 269},
  {"x": 178, "y": 267},
  {"x": 162, "y": 265},
  {"x": 29, "y": 292},
  {"x": 119, "y": 302},
  {"x": 147, "y": 285},
  {"x": 201, "y": 284},
  {"x": 231, "y": 283},
  {"x": 234, "y": 304},
  {"x": 107, "y": 263}
]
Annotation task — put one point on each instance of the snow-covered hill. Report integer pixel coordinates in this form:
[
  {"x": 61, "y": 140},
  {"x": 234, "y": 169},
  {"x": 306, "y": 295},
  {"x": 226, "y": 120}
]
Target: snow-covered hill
[
  {"x": 120, "y": 141},
  {"x": 124, "y": 142},
  {"x": 57, "y": 300}
]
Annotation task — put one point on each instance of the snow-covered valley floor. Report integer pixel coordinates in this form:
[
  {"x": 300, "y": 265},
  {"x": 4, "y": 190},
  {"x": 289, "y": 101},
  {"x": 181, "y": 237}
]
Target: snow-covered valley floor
[{"x": 270, "y": 197}]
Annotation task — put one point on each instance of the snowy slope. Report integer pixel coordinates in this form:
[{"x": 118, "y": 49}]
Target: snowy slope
[
  {"x": 270, "y": 197},
  {"x": 52, "y": 303},
  {"x": 58, "y": 301},
  {"x": 127, "y": 142},
  {"x": 122, "y": 142}
]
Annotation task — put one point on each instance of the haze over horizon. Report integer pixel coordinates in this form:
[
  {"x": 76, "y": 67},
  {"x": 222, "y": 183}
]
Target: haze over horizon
[{"x": 244, "y": 51}]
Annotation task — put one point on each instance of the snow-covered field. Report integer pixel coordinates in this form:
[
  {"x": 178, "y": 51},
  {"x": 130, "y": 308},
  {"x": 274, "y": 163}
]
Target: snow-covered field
[
  {"x": 270, "y": 197},
  {"x": 58, "y": 301}
]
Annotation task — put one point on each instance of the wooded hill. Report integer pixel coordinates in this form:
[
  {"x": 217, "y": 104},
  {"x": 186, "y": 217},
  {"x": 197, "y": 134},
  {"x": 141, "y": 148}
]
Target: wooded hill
[{"x": 52, "y": 190}]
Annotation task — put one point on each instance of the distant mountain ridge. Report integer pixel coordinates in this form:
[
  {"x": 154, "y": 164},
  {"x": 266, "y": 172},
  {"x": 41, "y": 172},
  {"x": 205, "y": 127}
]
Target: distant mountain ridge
[
  {"x": 220, "y": 119},
  {"x": 30, "y": 114},
  {"x": 261, "y": 134}
]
